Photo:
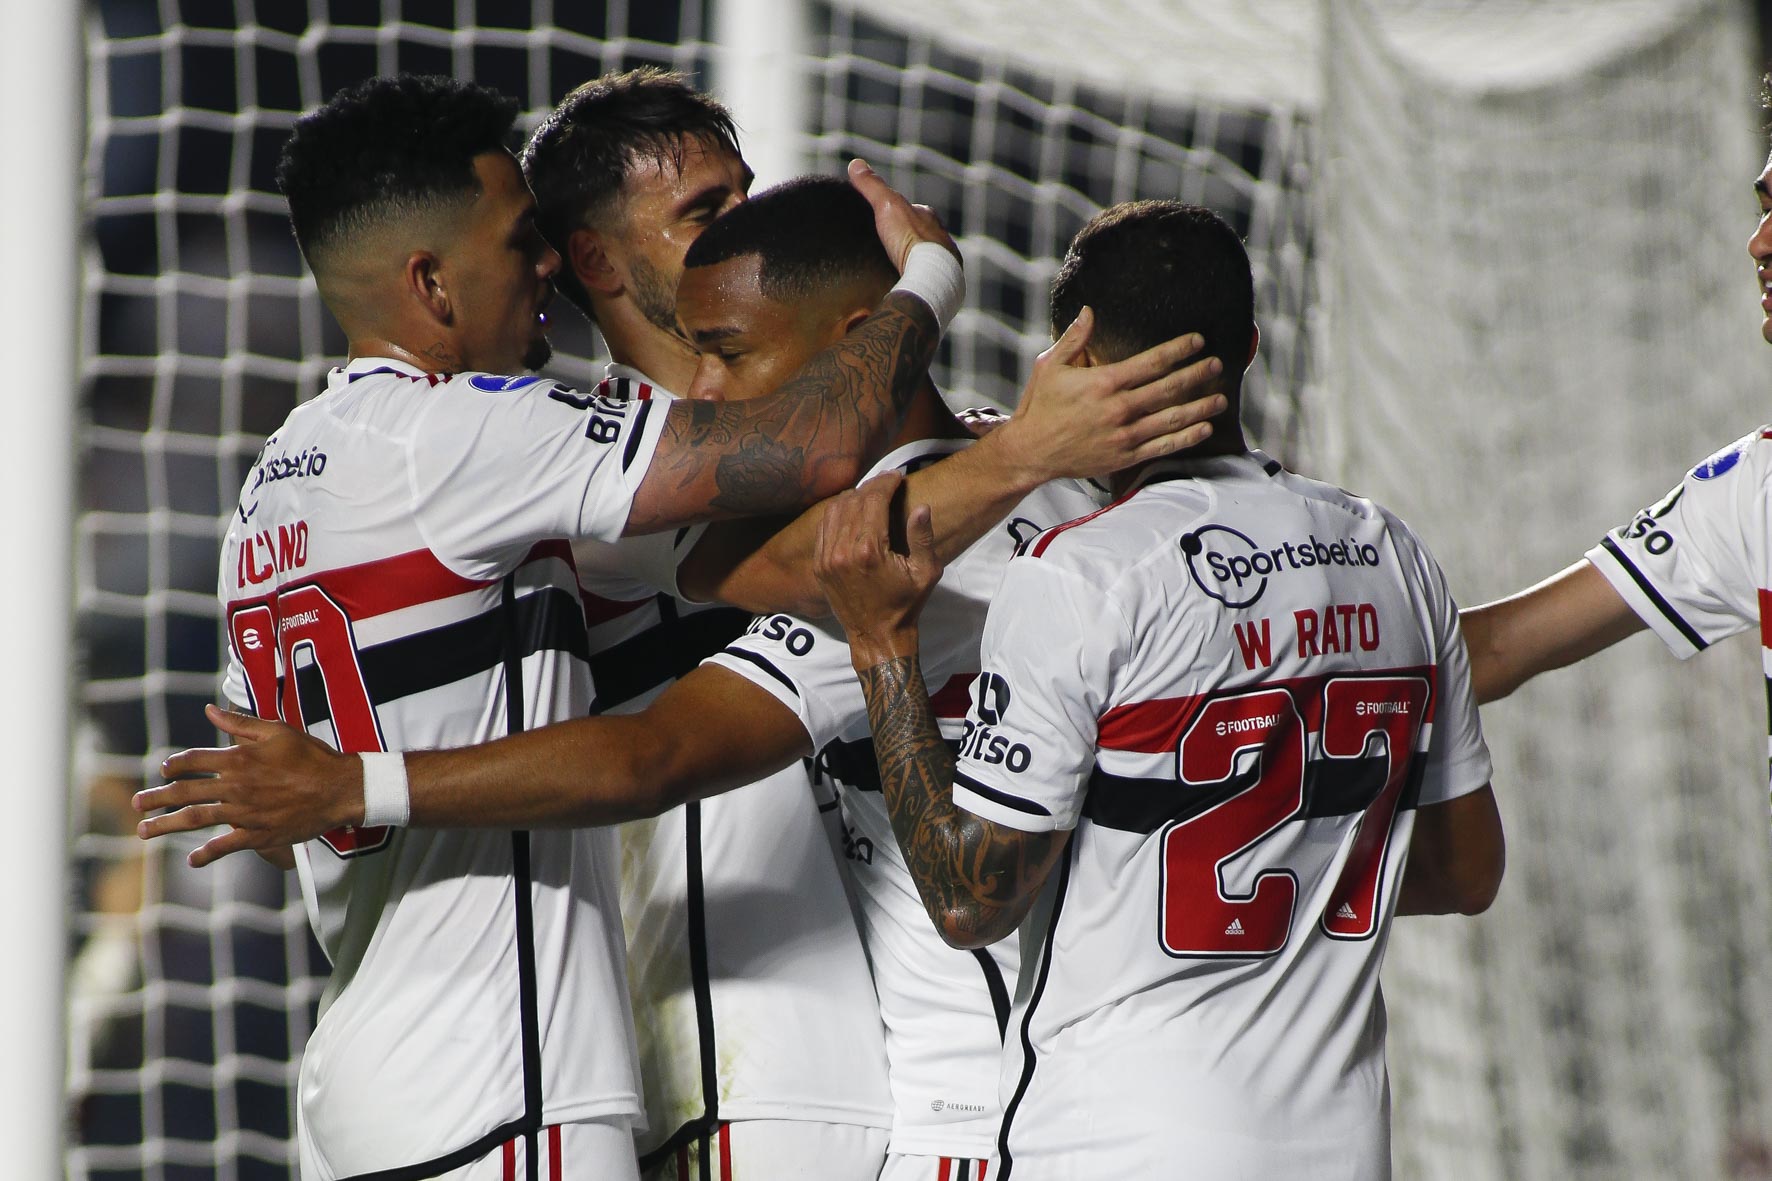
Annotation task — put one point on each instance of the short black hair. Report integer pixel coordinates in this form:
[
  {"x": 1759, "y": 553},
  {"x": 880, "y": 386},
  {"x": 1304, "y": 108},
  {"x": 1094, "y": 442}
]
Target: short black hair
[
  {"x": 387, "y": 147},
  {"x": 583, "y": 152},
  {"x": 812, "y": 233},
  {"x": 1153, "y": 270}
]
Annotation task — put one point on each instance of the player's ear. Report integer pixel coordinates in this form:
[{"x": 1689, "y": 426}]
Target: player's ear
[
  {"x": 591, "y": 265},
  {"x": 852, "y": 321},
  {"x": 423, "y": 280},
  {"x": 1254, "y": 344}
]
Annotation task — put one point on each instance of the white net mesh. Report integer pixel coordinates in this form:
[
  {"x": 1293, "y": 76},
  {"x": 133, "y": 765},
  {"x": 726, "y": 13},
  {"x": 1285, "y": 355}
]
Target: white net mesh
[
  {"x": 1491, "y": 217},
  {"x": 1540, "y": 314}
]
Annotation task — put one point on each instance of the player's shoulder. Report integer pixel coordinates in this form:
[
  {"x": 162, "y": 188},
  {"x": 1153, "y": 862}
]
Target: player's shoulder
[
  {"x": 916, "y": 455},
  {"x": 1747, "y": 460},
  {"x": 1102, "y": 545}
]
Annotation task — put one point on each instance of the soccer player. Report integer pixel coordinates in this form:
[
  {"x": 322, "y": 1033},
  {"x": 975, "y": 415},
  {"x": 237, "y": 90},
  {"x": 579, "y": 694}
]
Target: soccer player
[
  {"x": 396, "y": 575},
  {"x": 1214, "y": 721},
  {"x": 1694, "y": 567},
  {"x": 765, "y": 288},
  {"x": 628, "y": 170},
  {"x": 737, "y": 922}
]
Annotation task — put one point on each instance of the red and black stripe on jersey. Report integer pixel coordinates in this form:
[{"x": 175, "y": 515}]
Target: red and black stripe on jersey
[
  {"x": 548, "y": 618},
  {"x": 1332, "y": 787}
]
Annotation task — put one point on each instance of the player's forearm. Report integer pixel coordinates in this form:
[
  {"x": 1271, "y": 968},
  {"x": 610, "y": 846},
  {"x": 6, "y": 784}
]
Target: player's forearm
[
  {"x": 1562, "y": 620},
  {"x": 573, "y": 774},
  {"x": 1457, "y": 857},
  {"x": 968, "y": 493},
  {"x": 812, "y": 438},
  {"x": 974, "y": 880}
]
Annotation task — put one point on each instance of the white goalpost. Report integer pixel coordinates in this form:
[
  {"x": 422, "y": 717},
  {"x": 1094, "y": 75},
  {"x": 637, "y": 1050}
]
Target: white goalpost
[
  {"x": 1501, "y": 286},
  {"x": 39, "y": 80}
]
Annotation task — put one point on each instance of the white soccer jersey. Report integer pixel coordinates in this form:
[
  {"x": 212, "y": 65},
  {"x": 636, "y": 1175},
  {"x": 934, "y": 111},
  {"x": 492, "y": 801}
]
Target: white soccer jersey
[
  {"x": 1696, "y": 565},
  {"x": 1235, "y": 685},
  {"x": 394, "y": 578},
  {"x": 750, "y": 987},
  {"x": 945, "y": 1009}
]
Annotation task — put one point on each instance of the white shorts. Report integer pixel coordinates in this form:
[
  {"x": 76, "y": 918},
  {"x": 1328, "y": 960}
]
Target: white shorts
[
  {"x": 903, "y": 1167},
  {"x": 778, "y": 1150},
  {"x": 595, "y": 1148}
]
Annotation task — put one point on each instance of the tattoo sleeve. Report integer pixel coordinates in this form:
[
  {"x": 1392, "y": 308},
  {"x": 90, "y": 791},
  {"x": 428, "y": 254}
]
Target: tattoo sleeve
[
  {"x": 812, "y": 438},
  {"x": 976, "y": 878}
]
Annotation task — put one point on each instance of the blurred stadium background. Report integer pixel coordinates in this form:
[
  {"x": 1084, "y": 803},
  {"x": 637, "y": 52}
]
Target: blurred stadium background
[{"x": 1502, "y": 287}]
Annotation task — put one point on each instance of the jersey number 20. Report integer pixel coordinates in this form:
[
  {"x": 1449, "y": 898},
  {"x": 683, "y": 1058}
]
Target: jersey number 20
[
  {"x": 309, "y": 628},
  {"x": 1200, "y": 915}
]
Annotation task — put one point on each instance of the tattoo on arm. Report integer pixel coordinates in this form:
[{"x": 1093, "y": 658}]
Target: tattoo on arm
[
  {"x": 976, "y": 878},
  {"x": 811, "y": 438}
]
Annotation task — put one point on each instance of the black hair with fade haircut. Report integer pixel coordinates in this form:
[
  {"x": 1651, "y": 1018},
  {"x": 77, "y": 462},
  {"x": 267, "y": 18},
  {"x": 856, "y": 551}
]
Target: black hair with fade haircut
[
  {"x": 581, "y": 155},
  {"x": 812, "y": 233},
  {"x": 1153, "y": 270},
  {"x": 387, "y": 147}
]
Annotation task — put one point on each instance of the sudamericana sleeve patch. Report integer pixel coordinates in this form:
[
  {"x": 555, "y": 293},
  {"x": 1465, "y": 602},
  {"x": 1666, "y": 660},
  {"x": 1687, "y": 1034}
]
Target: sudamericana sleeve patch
[
  {"x": 1723, "y": 460},
  {"x": 489, "y": 383}
]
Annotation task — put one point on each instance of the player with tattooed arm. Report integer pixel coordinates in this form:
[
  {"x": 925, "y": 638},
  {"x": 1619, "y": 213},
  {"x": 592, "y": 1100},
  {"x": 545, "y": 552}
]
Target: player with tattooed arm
[{"x": 1215, "y": 722}]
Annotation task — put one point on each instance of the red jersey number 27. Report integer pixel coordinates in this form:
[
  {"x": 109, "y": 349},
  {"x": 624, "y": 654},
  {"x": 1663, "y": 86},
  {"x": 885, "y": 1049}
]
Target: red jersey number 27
[
  {"x": 309, "y": 628},
  {"x": 1200, "y": 915}
]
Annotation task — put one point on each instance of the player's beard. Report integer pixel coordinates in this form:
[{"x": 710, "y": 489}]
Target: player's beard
[{"x": 654, "y": 295}]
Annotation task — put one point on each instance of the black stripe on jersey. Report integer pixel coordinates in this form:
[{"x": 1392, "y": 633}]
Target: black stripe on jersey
[
  {"x": 852, "y": 763},
  {"x": 550, "y": 619},
  {"x": 528, "y": 1004},
  {"x": 764, "y": 663},
  {"x": 1000, "y": 797},
  {"x": 993, "y": 982},
  {"x": 1332, "y": 787},
  {"x": 1697, "y": 641},
  {"x": 1004, "y": 1161},
  {"x": 635, "y": 434},
  {"x": 515, "y": 634},
  {"x": 697, "y": 921},
  {"x": 661, "y": 653}
]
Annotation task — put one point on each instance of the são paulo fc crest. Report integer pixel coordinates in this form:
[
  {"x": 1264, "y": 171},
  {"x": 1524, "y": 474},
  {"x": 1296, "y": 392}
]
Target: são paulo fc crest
[{"x": 1721, "y": 462}]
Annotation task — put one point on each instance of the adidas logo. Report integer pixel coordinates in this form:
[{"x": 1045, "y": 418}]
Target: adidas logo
[
  {"x": 1347, "y": 912},
  {"x": 1236, "y": 927}
]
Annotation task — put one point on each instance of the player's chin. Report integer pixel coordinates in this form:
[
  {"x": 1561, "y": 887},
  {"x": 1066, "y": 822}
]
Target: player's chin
[{"x": 539, "y": 353}]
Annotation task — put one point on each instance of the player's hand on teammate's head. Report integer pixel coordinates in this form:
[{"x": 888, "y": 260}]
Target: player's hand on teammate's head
[
  {"x": 1076, "y": 419},
  {"x": 876, "y": 562},
  {"x": 901, "y": 224},
  {"x": 275, "y": 787}
]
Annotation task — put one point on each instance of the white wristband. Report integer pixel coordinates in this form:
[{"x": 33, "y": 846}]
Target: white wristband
[
  {"x": 386, "y": 798},
  {"x": 934, "y": 276}
]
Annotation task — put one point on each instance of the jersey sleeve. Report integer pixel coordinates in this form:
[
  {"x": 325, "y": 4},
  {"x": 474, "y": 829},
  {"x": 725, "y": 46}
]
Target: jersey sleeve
[
  {"x": 806, "y": 667},
  {"x": 634, "y": 567},
  {"x": 1051, "y": 643},
  {"x": 1686, "y": 564},
  {"x": 499, "y": 466},
  {"x": 1458, "y": 760}
]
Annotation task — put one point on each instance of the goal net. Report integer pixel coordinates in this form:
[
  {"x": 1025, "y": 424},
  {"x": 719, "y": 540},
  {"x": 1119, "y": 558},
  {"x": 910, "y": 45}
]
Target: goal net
[{"x": 1459, "y": 273}]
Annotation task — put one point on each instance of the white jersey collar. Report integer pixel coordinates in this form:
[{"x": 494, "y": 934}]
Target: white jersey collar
[
  {"x": 363, "y": 366},
  {"x": 1251, "y": 464}
]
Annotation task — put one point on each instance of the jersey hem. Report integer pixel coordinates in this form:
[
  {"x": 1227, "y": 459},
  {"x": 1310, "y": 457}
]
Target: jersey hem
[
  {"x": 998, "y": 813},
  {"x": 1624, "y": 580}
]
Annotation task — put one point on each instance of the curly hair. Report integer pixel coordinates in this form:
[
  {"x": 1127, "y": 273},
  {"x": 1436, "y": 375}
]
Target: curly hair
[
  {"x": 387, "y": 148},
  {"x": 582, "y": 154}
]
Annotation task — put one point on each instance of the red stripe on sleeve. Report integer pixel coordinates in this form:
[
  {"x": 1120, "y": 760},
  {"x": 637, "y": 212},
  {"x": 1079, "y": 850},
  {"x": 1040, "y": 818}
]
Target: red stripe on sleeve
[
  {"x": 946, "y": 1170},
  {"x": 953, "y": 699}
]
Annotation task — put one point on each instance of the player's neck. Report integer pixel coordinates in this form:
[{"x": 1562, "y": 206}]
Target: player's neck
[
  {"x": 634, "y": 341},
  {"x": 928, "y": 417},
  {"x": 1227, "y": 439},
  {"x": 438, "y": 357}
]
